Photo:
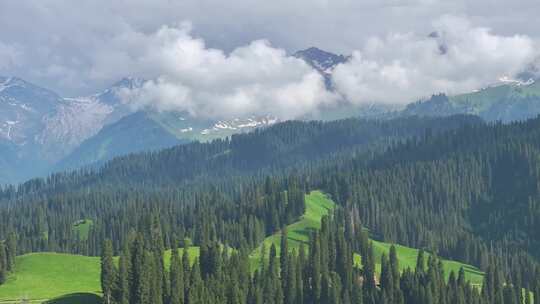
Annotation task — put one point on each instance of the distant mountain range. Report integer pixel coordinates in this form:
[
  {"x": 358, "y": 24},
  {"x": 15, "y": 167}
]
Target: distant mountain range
[{"x": 41, "y": 132}]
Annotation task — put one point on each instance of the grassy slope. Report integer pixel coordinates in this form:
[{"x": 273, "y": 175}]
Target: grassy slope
[
  {"x": 50, "y": 275},
  {"x": 407, "y": 259},
  {"x": 319, "y": 205},
  {"x": 64, "y": 277}
]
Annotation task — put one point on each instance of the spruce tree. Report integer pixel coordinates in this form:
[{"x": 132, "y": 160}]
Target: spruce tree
[
  {"x": 290, "y": 282},
  {"x": 145, "y": 291},
  {"x": 3, "y": 264},
  {"x": 124, "y": 266},
  {"x": 11, "y": 251},
  {"x": 137, "y": 272},
  {"x": 196, "y": 285},
  {"x": 160, "y": 289},
  {"x": 369, "y": 286},
  {"x": 420, "y": 264},
  {"x": 176, "y": 275},
  {"x": 387, "y": 280},
  {"x": 394, "y": 265},
  {"x": 335, "y": 288},
  {"x": 108, "y": 273},
  {"x": 283, "y": 257},
  {"x": 186, "y": 269},
  {"x": 300, "y": 276},
  {"x": 315, "y": 268},
  {"x": 357, "y": 295}
]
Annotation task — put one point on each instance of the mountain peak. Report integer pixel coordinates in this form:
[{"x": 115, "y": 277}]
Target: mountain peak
[
  {"x": 128, "y": 82},
  {"x": 320, "y": 59},
  {"x": 8, "y": 82}
]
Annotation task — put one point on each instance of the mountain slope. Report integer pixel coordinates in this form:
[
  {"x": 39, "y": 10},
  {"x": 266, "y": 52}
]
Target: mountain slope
[
  {"x": 134, "y": 133},
  {"x": 280, "y": 146},
  {"x": 40, "y": 127},
  {"x": 150, "y": 131},
  {"x": 506, "y": 103},
  {"x": 319, "y": 205}
]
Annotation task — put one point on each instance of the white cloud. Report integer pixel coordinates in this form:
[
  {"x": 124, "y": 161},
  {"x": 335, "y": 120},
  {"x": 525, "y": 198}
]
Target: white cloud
[
  {"x": 256, "y": 79},
  {"x": 9, "y": 56},
  {"x": 65, "y": 45},
  {"x": 402, "y": 68}
]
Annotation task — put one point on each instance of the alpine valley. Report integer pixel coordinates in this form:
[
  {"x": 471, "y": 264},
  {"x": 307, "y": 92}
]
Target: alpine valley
[
  {"x": 188, "y": 154},
  {"x": 42, "y": 132}
]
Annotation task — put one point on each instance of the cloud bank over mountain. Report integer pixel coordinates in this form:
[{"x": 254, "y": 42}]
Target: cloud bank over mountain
[
  {"x": 255, "y": 79},
  {"x": 259, "y": 79},
  {"x": 456, "y": 57},
  {"x": 237, "y": 64}
]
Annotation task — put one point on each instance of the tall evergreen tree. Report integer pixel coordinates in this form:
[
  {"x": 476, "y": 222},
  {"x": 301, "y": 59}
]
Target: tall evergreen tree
[
  {"x": 387, "y": 280},
  {"x": 11, "y": 251},
  {"x": 3, "y": 264},
  {"x": 283, "y": 257},
  {"x": 108, "y": 273},
  {"x": 315, "y": 268},
  {"x": 124, "y": 266},
  {"x": 369, "y": 286},
  {"x": 176, "y": 275}
]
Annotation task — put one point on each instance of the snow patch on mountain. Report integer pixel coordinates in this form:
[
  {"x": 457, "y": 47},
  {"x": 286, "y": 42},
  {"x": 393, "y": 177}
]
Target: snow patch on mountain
[
  {"x": 5, "y": 83},
  {"x": 240, "y": 124},
  {"x": 514, "y": 81},
  {"x": 74, "y": 121}
]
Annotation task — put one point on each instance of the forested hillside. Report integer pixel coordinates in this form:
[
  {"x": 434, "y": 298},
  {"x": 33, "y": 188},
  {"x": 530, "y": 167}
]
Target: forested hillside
[
  {"x": 274, "y": 150},
  {"x": 192, "y": 181},
  {"x": 455, "y": 187},
  {"x": 471, "y": 193}
]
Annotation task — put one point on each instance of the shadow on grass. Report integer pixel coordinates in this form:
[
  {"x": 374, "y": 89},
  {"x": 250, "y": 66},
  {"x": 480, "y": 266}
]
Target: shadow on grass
[
  {"x": 307, "y": 231},
  {"x": 299, "y": 240},
  {"x": 77, "y": 298}
]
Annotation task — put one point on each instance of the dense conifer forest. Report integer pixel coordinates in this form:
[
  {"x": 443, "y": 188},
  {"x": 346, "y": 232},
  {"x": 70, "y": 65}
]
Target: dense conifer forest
[{"x": 454, "y": 187}]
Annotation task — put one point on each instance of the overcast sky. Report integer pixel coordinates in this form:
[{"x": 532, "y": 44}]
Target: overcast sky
[{"x": 79, "y": 47}]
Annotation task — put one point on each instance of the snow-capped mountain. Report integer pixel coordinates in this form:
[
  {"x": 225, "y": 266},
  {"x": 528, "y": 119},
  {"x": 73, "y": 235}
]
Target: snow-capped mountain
[
  {"x": 77, "y": 119},
  {"x": 31, "y": 116},
  {"x": 23, "y": 107},
  {"x": 41, "y": 127}
]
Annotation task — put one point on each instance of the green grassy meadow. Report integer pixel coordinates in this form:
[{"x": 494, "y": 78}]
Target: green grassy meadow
[{"x": 44, "y": 276}]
